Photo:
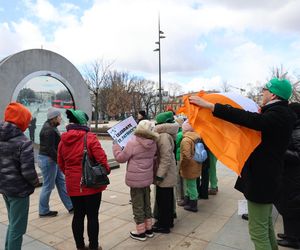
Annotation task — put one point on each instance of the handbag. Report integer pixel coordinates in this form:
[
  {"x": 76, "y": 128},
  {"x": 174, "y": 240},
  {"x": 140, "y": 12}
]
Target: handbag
[{"x": 93, "y": 175}]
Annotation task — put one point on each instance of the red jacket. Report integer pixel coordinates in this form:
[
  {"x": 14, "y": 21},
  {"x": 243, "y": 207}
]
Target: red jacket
[{"x": 69, "y": 157}]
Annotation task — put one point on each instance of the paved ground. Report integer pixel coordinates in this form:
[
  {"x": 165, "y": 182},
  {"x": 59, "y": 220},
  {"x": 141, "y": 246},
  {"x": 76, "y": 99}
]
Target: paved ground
[{"x": 216, "y": 226}]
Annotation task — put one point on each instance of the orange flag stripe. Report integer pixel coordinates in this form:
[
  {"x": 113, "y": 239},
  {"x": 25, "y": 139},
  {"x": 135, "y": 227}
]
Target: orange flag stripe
[{"x": 232, "y": 144}]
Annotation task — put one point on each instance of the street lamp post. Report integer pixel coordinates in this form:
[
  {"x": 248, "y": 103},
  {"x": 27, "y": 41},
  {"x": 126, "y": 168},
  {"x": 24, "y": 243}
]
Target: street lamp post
[{"x": 160, "y": 36}]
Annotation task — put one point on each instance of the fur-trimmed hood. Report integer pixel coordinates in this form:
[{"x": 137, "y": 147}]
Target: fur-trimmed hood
[
  {"x": 169, "y": 128},
  {"x": 145, "y": 133}
]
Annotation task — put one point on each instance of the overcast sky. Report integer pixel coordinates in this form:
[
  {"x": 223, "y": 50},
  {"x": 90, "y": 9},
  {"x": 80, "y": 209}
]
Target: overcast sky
[{"x": 207, "y": 42}]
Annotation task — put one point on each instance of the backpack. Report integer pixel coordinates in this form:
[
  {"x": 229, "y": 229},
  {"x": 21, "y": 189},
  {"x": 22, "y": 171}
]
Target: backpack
[{"x": 200, "y": 152}]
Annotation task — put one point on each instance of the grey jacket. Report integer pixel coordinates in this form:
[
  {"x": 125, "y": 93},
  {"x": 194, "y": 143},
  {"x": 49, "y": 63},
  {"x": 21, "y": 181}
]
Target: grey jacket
[{"x": 17, "y": 171}]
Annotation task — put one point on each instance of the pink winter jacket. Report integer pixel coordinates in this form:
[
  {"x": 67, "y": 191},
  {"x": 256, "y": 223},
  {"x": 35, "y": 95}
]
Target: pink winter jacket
[{"x": 139, "y": 153}]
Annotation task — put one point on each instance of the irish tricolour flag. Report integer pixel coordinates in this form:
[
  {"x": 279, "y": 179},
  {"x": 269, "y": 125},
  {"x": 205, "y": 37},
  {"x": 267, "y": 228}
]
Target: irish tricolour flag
[{"x": 230, "y": 143}]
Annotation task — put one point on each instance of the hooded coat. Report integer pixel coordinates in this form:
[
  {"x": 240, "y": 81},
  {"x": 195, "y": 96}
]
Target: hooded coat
[
  {"x": 139, "y": 153},
  {"x": 17, "y": 170},
  {"x": 166, "y": 157},
  {"x": 189, "y": 168},
  {"x": 69, "y": 159}
]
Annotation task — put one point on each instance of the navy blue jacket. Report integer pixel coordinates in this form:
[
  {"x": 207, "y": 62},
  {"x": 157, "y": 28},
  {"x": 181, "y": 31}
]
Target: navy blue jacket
[{"x": 289, "y": 203}]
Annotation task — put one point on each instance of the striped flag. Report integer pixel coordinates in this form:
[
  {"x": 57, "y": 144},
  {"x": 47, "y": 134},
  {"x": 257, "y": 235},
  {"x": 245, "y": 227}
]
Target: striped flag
[{"x": 232, "y": 144}]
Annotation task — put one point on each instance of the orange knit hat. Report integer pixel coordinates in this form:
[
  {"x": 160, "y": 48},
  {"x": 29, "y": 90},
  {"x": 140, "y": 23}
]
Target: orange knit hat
[{"x": 17, "y": 114}]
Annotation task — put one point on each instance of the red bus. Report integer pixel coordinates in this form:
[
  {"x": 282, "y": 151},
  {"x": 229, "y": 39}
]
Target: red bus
[{"x": 62, "y": 104}]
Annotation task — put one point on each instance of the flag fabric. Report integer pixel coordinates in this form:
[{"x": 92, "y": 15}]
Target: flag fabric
[{"x": 232, "y": 144}]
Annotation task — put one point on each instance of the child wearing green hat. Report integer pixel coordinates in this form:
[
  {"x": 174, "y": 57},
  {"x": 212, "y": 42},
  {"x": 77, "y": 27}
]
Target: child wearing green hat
[{"x": 166, "y": 175}]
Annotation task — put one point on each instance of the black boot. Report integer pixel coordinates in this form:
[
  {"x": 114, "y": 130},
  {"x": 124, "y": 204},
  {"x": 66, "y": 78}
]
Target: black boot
[
  {"x": 184, "y": 202},
  {"x": 289, "y": 243},
  {"x": 245, "y": 217},
  {"x": 192, "y": 206}
]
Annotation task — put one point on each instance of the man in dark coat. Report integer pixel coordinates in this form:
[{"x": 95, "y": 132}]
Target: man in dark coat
[
  {"x": 260, "y": 177},
  {"x": 289, "y": 202},
  {"x": 47, "y": 159}
]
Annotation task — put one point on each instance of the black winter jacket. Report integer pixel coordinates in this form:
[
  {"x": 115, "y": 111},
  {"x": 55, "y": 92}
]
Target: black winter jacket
[
  {"x": 49, "y": 140},
  {"x": 17, "y": 171},
  {"x": 289, "y": 203},
  {"x": 260, "y": 177}
]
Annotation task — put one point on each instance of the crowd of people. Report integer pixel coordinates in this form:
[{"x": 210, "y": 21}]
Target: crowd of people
[{"x": 159, "y": 153}]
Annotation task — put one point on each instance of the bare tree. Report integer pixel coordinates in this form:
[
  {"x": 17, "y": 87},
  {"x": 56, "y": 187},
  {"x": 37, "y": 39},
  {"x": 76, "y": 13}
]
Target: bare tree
[
  {"x": 254, "y": 92},
  {"x": 120, "y": 101},
  {"x": 96, "y": 75},
  {"x": 225, "y": 87},
  {"x": 146, "y": 95},
  {"x": 174, "y": 89}
]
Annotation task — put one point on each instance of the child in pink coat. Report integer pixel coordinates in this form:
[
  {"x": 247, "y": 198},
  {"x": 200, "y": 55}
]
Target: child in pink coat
[{"x": 139, "y": 153}]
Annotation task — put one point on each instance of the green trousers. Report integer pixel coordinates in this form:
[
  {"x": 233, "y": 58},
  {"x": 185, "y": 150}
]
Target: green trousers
[
  {"x": 141, "y": 206},
  {"x": 212, "y": 171},
  {"x": 190, "y": 188},
  {"x": 17, "y": 211},
  {"x": 260, "y": 225}
]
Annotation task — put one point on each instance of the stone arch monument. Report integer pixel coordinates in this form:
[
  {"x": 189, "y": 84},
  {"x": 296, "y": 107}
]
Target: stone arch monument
[{"x": 17, "y": 69}]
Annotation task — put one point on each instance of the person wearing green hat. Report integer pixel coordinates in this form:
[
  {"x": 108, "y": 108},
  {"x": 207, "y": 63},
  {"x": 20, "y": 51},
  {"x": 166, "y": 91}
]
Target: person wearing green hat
[
  {"x": 86, "y": 201},
  {"x": 282, "y": 88},
  {"x": 166, "y": 175},
  {"x": 260, "y": 177}
]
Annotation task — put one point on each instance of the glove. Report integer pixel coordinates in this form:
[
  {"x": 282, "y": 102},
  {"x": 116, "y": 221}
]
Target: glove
[{"x": 158, "y": 179}]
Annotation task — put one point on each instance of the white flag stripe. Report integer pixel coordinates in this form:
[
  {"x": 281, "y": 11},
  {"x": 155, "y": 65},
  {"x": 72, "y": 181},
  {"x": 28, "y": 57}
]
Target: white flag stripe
[{"x": 246, "y": 103}]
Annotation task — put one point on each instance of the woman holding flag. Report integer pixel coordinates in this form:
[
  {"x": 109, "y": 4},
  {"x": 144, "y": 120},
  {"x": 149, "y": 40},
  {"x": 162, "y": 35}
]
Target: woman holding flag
[{"x": 259, "y": 179}]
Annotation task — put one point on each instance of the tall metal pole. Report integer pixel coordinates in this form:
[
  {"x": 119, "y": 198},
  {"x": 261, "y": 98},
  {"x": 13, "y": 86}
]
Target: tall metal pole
[
  {"x": 159, "y": 67},
  {"x": 160, "y": 36}
]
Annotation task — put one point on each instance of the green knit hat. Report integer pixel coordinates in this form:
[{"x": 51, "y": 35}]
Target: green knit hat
[
  {"x": 77, "y": 116},
  {"x": 280, "y": 87},
  {"x": 165, "y": 117}
]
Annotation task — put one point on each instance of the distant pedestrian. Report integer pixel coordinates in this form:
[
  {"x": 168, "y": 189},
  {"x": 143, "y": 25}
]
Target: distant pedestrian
[
  {"x": 47, "y": 159},
  {"x": 86, "y": 201},
  {"x": 260, "y": 177},
  {"x": 31, "y": 128},
  {"x": 139, "y": 154},
  {"x": 18, "y": 177},
  {"x": 142, "y": 116}
]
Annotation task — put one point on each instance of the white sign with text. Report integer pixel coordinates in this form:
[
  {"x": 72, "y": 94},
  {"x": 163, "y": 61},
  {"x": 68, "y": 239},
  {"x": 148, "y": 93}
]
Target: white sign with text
[{"x": 122, "y": 131}]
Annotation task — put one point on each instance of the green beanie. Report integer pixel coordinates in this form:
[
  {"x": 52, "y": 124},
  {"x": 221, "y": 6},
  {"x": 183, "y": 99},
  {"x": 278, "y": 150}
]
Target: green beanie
[
  {"x": 280, "y": 87},
  {"x": 80, "y": 117},
  {"x": 165, "y": 117}
]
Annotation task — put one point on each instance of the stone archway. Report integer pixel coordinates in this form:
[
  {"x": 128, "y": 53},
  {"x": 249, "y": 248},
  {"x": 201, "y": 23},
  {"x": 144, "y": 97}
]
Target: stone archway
[{"x": 17, "y": 69}]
